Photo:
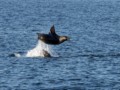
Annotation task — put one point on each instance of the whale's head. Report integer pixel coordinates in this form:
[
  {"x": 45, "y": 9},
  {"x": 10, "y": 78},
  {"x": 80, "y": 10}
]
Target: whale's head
[{"x": 63, "y": 38}]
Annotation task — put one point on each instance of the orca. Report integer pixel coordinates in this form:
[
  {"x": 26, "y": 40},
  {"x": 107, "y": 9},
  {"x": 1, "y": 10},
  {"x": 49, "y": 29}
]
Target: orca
[{"x": 52, "y": 38}]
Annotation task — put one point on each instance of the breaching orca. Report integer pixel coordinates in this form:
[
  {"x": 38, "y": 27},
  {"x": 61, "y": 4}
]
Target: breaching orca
[{"x": 52, "y": 38}]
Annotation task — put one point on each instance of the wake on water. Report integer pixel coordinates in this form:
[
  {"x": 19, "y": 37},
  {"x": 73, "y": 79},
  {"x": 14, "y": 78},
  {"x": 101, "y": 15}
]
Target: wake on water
[{"x": 38, "y": 51}]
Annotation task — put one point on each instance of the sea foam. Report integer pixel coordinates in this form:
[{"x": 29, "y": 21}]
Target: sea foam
[{"x": 38, "y": 50}]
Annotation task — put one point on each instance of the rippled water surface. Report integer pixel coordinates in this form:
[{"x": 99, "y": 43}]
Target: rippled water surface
[{"x": 89, "y": 61}]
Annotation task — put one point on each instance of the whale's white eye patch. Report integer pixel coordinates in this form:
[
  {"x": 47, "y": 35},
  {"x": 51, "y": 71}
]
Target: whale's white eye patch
[{"x": 62, "y": 38}]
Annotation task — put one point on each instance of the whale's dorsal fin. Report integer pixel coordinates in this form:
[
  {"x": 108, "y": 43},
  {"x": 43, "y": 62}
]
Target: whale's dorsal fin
[{"x": 52, "y": 31}]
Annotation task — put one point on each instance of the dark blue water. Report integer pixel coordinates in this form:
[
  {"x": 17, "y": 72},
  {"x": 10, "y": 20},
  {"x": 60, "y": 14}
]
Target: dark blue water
[{"x": 89, "y": 61}]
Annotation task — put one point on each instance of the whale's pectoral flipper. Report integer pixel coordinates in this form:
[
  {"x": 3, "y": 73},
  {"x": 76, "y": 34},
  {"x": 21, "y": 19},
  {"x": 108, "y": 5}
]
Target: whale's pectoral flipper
[{"x": 46, "y": 53}]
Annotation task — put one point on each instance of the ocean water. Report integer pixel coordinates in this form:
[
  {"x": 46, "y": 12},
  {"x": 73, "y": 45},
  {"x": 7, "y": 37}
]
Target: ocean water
[{"x": 89, "y": 61}]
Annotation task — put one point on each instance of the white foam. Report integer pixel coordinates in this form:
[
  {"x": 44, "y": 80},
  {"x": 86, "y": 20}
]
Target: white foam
[
  {"x": 38, "y": 50},
  {"x": 17, "y": 55}
]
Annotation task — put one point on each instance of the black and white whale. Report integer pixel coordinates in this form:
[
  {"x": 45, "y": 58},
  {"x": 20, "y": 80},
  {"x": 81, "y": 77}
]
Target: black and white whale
[
  {"x": 19, "y": 54},
  {"x": 52, "y": 38}
]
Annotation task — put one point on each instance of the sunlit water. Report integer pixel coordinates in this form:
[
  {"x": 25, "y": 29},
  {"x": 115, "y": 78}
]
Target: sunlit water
[{"x": 89, "y": 61}]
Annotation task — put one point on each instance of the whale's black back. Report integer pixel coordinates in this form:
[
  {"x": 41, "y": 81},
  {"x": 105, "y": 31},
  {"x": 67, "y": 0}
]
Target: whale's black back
[{"x": 52, "y": 37}]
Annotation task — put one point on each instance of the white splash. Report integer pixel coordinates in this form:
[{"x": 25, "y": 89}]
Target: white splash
[
  {"x": 17, "y": 55},
  {"x": 38, "y": 50}
]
